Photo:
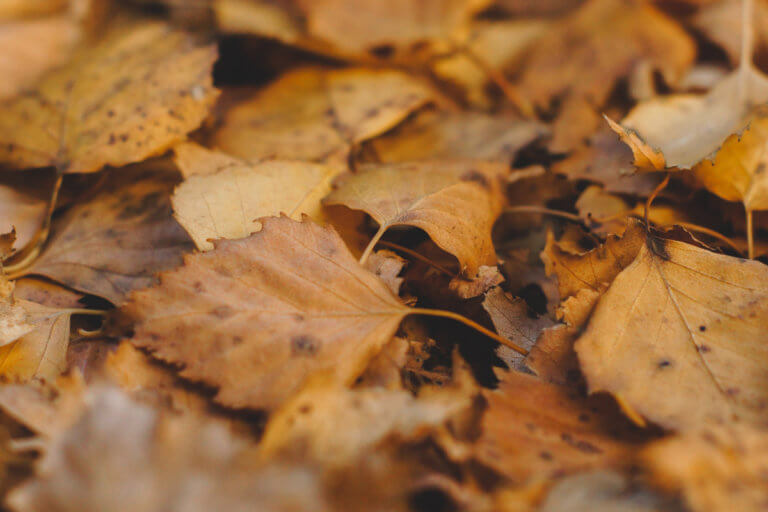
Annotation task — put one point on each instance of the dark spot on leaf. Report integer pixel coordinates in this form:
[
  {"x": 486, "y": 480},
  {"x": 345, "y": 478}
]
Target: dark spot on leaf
[
  {"x": 382, "y": 51},
  {"x": 545, "y": 456},
  {"x": 476, "y": 177},
  {"x": 703, "y": 348},
  {"x": 237, "y": 340},
  {"x": 664, "y": 363},
  {"x": 702, "y": 328},
  {"x": 304, "y": 345},
  {"x": 223, "y": 312},
  {"x": 658, "y": 246}
]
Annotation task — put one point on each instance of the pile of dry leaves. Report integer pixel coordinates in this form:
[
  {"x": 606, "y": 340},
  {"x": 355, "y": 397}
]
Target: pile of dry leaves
[{"x": 384, "y": 255}]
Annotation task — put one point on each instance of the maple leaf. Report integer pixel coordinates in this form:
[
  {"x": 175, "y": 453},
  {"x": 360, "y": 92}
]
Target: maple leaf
[
  {"x": 223, "y": 196},
  {"x": 609, "y": 37},
  {"x": 716, "y": 469},
  {"x": 446, "y": 135},
  {"x": 431, "y": 196},
  {"x": 133, "y": 95},
  {"x": 317, "y": 114},
  {"x": 533, "y": 430},
  {"x": 679, "y": 338},
  {"x": 119, "y": 239}
]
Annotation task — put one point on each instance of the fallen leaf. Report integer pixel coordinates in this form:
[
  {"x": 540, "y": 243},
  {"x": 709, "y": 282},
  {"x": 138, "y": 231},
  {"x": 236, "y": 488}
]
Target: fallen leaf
[
  {"x": 679, "y": 131},
  {"x": 553, "y": 358},
  {"x": 603, "y": 491},
  {"x": 47, "y": 409},
  {"x": 594, "y": 268},
  {"x": 29, "y": 48},
  {"x": 387, "y": 265},
  {"x": 116, "y": 241},
  {"x": 607, "y": 161},
  {"x": 333, "y": 425},
  {"x": 534, "y": 430},
  {"x": 320, "y": 314},
  {"x": 609, "y": 37},
  {"x": 429, "y": 196},
  {"x": 383, "y": 28},
  {"x": 15, "y": 9},
  {"x": 537, "y": 7},
  {"x": 133, "y": 95},
  {"x": 717, "y": 469},
  {"x": 679, "y": 338},
  {"x": 22, "y": 207},
  {"x": 737, "y": 171},
  {"x": 448, "y": 135},
  {"x": 514, "y": 320},
  {"x": 490, "y": 51},
  {"x": 721, "y": 22},
  {"x": 317, "y": 115},
  {"x": 223, "y": 196},
  {"x": 123, "y": 456}
]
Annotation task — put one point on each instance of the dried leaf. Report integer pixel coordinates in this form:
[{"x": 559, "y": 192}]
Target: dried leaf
[
  {"x": 607, "y": 161},
  {"x": 721, "y": 22},
  {"x": 716, "y": 469},
  {"x": 515, "y": 321},
  {"x": 535, "y": 430},
  {"x": 222, "y": 196},
  {"x": 431, "y": 196},
  {"x": 317, "y": 115},
  {"x": 355, "y": 27},
  {"x": 594, "y": 268},
  {"x": 119, "y": 239},
  {"x": 319, "y": 314},
  {"x": 122, "y": 456},
  {"x": 679, "y": 131},
  {"x": 334, "y": 425},
  {"x": 22, "y": 207},
  {"x": 387, "y": 265},
  {"x": 456, "y": 135},
  {"x": 29, "y": 48},
  {"x": 136, "y": 93},
  {"x": 602, "y": 491},
  {"x": 737, "y": 172},
  {"x": 679, "y": 338},
  {"x": 610, "y": 38}
]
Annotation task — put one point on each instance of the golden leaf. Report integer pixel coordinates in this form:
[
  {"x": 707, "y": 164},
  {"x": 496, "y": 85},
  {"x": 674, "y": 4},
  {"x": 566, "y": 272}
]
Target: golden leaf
[
  {"x": 119, "y": 239},
  {"x": 318, "y": 311},
  {"x": 455, "y": 202},
  {"x": 317, "y": 115},
  {"x": 133, "y": 95},
  {"x": 680, "y": 337},
  {"x": 223, "y": 196}
]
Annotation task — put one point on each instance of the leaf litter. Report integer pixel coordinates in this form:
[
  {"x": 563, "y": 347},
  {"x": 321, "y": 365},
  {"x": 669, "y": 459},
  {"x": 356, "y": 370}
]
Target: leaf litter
[{"x": 333, "y": 255}]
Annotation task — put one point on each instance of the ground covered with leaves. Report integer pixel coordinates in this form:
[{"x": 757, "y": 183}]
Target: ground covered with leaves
[{"x": 384, "y": 255}]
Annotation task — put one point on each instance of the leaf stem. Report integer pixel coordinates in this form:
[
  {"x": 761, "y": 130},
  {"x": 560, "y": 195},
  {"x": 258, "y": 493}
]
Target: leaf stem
[
  {"x": 661, "y": 186},
  {"x": 706, "y": 231},
  {"x": 417, "y": 256},
  {"x": 469, "y": 323},
  {"x": 35, "y": 246},
  {"x": 546, "y": 211},
  {"x": 750, "y": 236},
  {"x": 372, "y": 243}
]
